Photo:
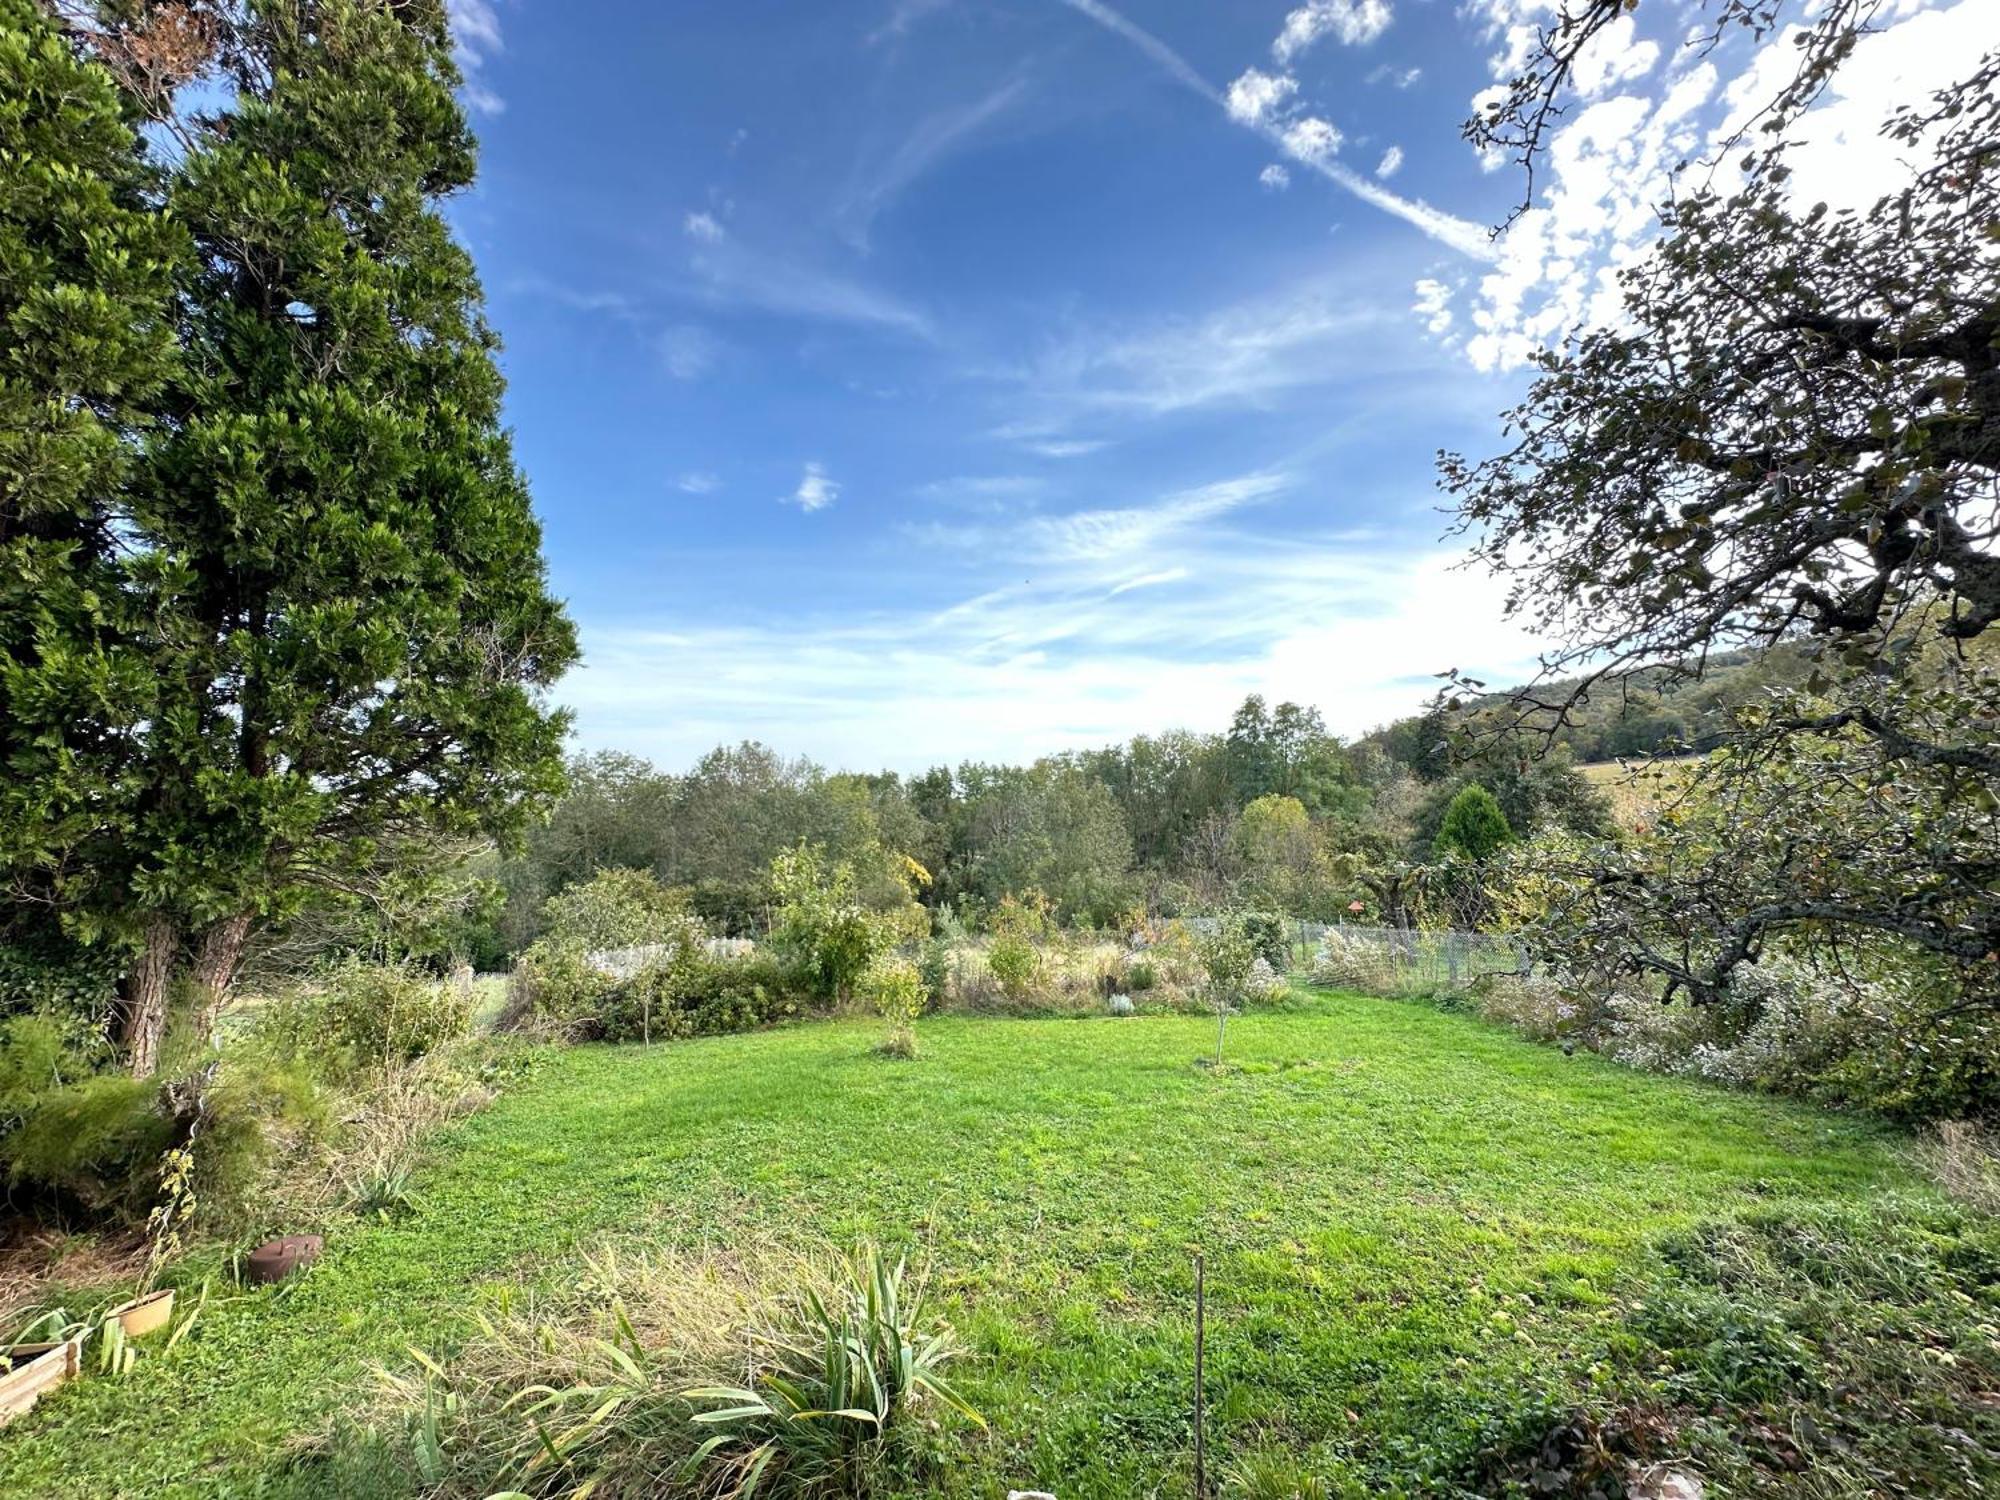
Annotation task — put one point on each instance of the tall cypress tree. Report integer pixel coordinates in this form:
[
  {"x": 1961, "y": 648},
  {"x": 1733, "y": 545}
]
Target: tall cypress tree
[
  {"x": 352, "y": 627},
  {"x": 86, "y": 278}
]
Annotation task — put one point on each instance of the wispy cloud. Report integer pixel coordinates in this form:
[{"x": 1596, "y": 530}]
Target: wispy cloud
[
  {"x": 816, "y": 489},
  {"x": 1391, "y": 163},
  {"x": 934, "y": 138},
  {"x": 702, "y": 226},
  {"x": 688, "y": 352},
  {"x": 698, "y": 482},
  {"x": 731, "y": 271},
  {"x": 1244, "y": 353},
  {"x": 1462, "y": 235},
  {"x": 475, "y": 38},
  {"x": 1088, "y": 650},
  {"x": 1275, "y": 178}
]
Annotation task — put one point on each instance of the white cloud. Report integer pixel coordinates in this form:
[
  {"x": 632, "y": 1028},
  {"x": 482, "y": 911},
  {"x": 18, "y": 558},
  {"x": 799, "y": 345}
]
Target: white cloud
[
  {"x": 730, "y": 271},
  {"x": 1612, "y": 163},
  {"x": 1391, "y": 163},
  {"x": 475, "y": 39},
  {"x": 1462, "y": 235},
  {"x": 1275, "y": 177},
  {"x": 1355, "y": 22},
  {"x": 1401, "y": 78},
  {"x": 816, "y": 490},
  {"x": 1612, "y": 57},
  {"x": 689, "y": 352},
  {"x": 1255, "y": 96},
  {"x": 702, "y": 225},
  {"x": 1433, "y": 305},
  {"x": 698, "y": 483},
  {"x": 1067, "y": 447},
  {"x": 1088, "y": 650},
  {"x": 1245, "y": 353},
  {"x": 1311, "y": 139}
]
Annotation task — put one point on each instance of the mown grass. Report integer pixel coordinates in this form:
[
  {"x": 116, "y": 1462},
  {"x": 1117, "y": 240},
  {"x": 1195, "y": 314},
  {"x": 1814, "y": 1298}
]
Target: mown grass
[{"x": 1399, "y": 1207}]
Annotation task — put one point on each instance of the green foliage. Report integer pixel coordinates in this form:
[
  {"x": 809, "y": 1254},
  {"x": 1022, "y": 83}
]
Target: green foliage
[
  {"x": 839, "y": 1379},
  {"x": 1227, "y": 956},
  {"x": 821, "y": 923},
  {"x": 86, "y": 279},
  {"x": 614, "y": 909},
  {"x": 1474, "y": 827},
  {"x": 95, "y": 1143},
  {"x": 388, "y": 1013},
  {"x": 689, "y": 992},
  {"x": 1270, "y": 937},
  {"x": 894, "y": 988},
  {"x": 1015, "y": 962}
]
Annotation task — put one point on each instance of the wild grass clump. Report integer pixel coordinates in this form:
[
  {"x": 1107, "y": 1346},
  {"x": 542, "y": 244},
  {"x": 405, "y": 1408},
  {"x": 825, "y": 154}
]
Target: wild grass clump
[{"x": 699, "y": 1374}]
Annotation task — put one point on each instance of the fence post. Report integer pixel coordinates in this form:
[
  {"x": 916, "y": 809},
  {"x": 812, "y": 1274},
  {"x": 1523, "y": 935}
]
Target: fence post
[{"x": 1200, "y": 1412}]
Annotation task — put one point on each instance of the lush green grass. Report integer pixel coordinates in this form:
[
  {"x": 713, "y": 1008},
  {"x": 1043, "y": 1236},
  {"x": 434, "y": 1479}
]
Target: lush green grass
[{"x": 1395, "y": 1204}]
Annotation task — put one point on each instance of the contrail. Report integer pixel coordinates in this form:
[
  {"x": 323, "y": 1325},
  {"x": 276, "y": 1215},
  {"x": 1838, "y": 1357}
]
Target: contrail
[{"x": 1462, "y": 235}]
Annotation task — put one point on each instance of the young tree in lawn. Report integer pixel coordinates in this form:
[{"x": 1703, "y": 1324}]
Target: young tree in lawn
[
  {"x": 1793, "y": 433},
  {"x": 352, "y": 627},
  {"x": 86, "y": 280},
  {"x": 1227, "y": 954}
]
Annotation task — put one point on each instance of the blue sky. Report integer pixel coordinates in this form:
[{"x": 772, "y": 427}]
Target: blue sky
[{"x": 910, "y": 380}]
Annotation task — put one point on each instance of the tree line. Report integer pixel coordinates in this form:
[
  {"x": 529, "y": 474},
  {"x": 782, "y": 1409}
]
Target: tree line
[{"x": 1273, "y": 812}]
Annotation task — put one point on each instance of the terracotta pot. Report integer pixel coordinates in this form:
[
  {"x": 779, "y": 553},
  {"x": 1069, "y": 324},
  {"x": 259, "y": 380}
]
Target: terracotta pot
[
  {"x": 274, "y": 1260},
  {"x": 144, "y": 1315}
]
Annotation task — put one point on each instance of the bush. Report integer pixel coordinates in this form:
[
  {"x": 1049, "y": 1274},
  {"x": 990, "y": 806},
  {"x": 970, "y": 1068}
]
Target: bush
[
  {"x": 690, "y": 992},
  {"x": 1015, "y": 962},
  {"x": 896, "y": 991},
  {"x": 821, "y": 923},
  {"x": 1269, "y": 937},
  {"x": 613, "y": 909},
  {"x": 592, "y": 1393},
  {"x": 389, "y": 1013},
  {"x": 94, "y": 1143}
]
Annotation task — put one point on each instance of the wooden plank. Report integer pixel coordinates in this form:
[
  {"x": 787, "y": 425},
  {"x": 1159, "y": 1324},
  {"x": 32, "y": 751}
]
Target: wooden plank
[{"x": 35, "y": 1370}]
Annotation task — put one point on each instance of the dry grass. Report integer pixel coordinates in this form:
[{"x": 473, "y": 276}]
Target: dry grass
[
  {"x": 1964, "y": 1159},
  {"x": 584, "y": 1384}
]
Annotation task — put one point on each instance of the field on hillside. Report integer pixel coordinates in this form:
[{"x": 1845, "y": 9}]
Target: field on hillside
[{"x": 1398, "y": 1206}]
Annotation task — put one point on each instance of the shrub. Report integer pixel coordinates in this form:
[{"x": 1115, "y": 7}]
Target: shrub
[
  {"x": 1015, "y": 962},
  {"x": 841, "y": 1375},
  {"x": 934, "y": 966},
  {"x": 896, "y": 990},
  {"x": 560, "y": 987},
  {"x": 1269, "y": 937},
  {"x": 690, "y": 992},
  {"x": 95, "y": 1143},
  {"x": 592, "y": 1394},
  {"x": 822, "y": 924},
  {"x": 1140, "y": 976},
  {"x": 390, "y": 1013},
  {"x": 613, "y": 909}
]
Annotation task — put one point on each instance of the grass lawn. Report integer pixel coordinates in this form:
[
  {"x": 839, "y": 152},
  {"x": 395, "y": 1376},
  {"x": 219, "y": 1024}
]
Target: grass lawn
[{"x": 1394, "y": 1202}]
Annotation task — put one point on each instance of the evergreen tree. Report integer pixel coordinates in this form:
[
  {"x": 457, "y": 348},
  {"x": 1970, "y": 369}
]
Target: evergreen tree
[
  {"x": 86, "y": 277},
  {"x": 1474, "y": 827},
  {"x": 352, "y": 628}
]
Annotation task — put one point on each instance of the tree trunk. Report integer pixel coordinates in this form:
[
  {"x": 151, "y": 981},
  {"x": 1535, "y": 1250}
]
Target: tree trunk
[
  {"x": 146, "y": 996},
  {"x": 215, "y": 962}
]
